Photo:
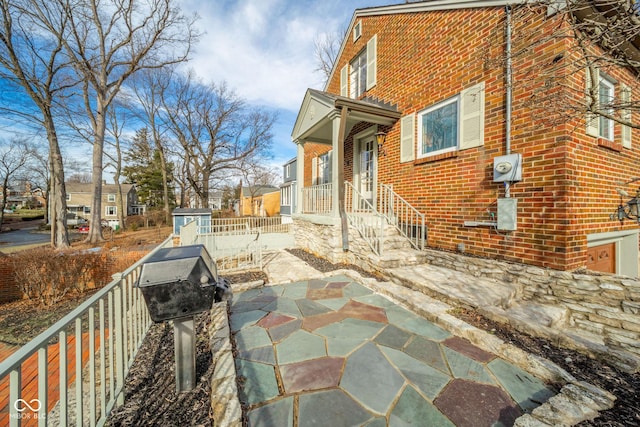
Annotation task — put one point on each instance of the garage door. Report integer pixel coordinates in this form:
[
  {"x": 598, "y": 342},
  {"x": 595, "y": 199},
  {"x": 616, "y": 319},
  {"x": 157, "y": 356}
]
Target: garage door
[{"x": 602, "y": 258}]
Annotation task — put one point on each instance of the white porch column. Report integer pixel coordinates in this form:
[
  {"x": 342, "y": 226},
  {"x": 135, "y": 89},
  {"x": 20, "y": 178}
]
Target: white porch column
[
  {"x": 336, "y": 165},
  {"x": 299, "y": 175}
]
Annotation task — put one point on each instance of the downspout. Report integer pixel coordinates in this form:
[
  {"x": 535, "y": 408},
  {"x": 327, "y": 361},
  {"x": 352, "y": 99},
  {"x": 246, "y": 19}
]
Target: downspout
[
  {"x": 508, "y": 94},
  {"x": 344, "y": 111}
]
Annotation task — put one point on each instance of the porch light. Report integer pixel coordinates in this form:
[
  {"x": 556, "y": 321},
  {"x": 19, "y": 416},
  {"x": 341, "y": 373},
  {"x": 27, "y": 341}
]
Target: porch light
[
  {"x": 380, "y": 138},
  {"x": 629, "y": 209}
]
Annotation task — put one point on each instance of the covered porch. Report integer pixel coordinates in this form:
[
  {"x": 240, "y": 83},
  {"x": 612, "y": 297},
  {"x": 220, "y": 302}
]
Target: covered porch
[{"x": 341, "y": 186}]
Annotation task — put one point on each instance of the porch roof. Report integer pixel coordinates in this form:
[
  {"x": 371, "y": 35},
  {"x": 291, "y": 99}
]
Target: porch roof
[{"x": 320, "y": 108}]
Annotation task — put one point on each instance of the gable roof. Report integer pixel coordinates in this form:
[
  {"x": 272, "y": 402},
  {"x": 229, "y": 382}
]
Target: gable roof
[
  {"x": 77, "y": 187},
  {"x": 319, "y": 108},
  {"x": 258, "y": 190}
]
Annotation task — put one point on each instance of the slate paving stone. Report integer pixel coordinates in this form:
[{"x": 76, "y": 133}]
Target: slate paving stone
[
  {"x": 428, "y": 380},
  {"x": 359, "y": 310},
  {"x": 312, "y": 323},
  {"x": 377, "y": 422},
  {"x": 259, "y": 384},
  {"x": 465, "y": 347},
  {"x": 425, "y": 328},
  {"x": 353, "y": 328},
  {"x": 394, "y": 337},
  {"x": 371, "y": 379},
  {"x": 345, "y": 412},
  {"x": 470, "y": 404},
  {"x": 335, "y": 303},
  {"x": 427, "y": 351},
  {"x": 261, "y": 354},
  {"x": 310, "y": 308},
  {"x": 250, "y": 305},
  {"x": 354, "y": 289},
  {"x": 252, "y": 337},
  {"x": 247, "y": 318},
  {"x": 274, "y": 319},
  {"x": 466, "y": 368},
  {"x": 339, "y": 347},
  {"x": 376, "y": 300},
  {"x": 413, "y": 410},
  {"x": 285, "y": 306},
  {"x": 279, "y": 333},
  {"x": 317, "y": 284},
  {"x": 300, "y": 346},
  {"x": 278, "y": 413},
  {"x": 528, "y": 391},
  {"x": 336, "y": 285},
  {"x": 320, "y": 294},
  {"x": 295, "y": 290},
  {"x": 312, "y": 375}
]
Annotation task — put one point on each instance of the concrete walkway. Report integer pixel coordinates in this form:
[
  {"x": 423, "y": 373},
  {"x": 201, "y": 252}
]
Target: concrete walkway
[{"x": 333, "y": 349}]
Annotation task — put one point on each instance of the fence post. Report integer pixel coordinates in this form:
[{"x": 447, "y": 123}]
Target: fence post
[{"x": 119, "y": 333}]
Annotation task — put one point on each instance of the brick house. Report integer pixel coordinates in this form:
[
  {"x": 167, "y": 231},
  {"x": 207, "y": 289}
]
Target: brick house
[
  {"x": 79, "y": 201},
  {"x": 259, "y": 200},
  {"x": 425, "y": 133}
]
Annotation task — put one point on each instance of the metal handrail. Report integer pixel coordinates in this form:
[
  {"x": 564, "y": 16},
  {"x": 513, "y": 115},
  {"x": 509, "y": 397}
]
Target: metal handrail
[
  {"x": 405, "y": 218},
  {"x": 123, "y": 322},
  {"x": 370, "y": 226}
]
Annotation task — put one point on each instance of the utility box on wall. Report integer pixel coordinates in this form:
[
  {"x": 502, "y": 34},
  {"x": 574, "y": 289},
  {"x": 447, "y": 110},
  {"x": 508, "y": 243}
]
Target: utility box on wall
[
  {"x": 507, "y": 214},
  {"x": 507, "y": 168}
]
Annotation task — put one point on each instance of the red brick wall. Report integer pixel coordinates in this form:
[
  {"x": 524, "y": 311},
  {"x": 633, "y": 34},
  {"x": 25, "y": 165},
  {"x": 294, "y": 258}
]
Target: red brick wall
[
  {"x": 567, "y": 190},
  {"x": 9, "y": 290}
]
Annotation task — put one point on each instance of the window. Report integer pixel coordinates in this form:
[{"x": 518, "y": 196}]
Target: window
[
  {"x": 287, "y": 170},
  {"x": 358, "y": 75},
  {"x": 111, "y": 211},
  {"x": 68, "y": 196},
  {"x": 439, "y": 128},
  {"x": 87, "y": 209},
  {"x": 111, "y": 197},
  {"x": 605, "y": 98},
  {"x": 357, "y": 31},
  {"x": 285, "y": 194},
  {"x": 324, "y": 169}
]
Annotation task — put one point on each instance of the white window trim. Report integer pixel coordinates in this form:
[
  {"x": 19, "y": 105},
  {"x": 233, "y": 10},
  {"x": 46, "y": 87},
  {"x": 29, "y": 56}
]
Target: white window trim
[
  {"x": 111, "y": 197},
  {"x": 107, "y": 208},
  {"x": 357, "y": 31},
  {"x": 420, "y": 154},
  {"x": 603, "y": 81}
]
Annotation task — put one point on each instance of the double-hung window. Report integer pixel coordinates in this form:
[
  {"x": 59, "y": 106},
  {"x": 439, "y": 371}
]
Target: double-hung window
[
  {"x": 111, "y": 197},
  {"x": 439, "y": 128},
  {"x": 324, "y": 168},
  {"x": 606, "y": 97},
  {"x": 358, "y": 77},
  {"x": 111, "y": 211}
]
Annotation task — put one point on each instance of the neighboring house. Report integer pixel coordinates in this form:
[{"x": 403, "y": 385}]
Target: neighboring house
[
  {"x": 79, "y": 197},
  {"x": 214, "y": 203},
  {"x": 415, "y": 78},
  {"x": 288, "y": 188},
  {"x": 183, "y": 216},
  {"x": 259, "y": 200},
  {"x": 23, "y": 195}
]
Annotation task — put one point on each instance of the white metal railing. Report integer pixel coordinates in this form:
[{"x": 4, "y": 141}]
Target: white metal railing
[
  {"x": 408, "y": 220},
  {"x": 363, "y": 216},
  {"x": 108, "y": 330},
  {"x": 317, "y": 199},
  {"x": 272, "y": 224}
]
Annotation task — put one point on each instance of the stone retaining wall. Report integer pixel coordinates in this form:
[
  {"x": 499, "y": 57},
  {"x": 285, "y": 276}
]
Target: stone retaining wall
[{"x": 601, "y": 304}]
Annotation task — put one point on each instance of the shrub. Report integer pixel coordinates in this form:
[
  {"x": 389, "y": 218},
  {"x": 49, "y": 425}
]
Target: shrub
[{"x": 48, "y": 275}]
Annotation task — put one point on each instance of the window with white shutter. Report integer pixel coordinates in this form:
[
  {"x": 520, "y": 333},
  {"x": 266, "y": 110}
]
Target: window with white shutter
[
  {"x": 372, "y": 54},
  {"x": 472, "y": 117},
  {"x": 625, "y": 98},
  {"x": 407, "y": 138}
]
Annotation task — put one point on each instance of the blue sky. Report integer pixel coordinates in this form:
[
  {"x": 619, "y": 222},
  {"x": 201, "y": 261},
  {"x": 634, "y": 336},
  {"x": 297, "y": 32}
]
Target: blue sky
[{"x": 264, "y": 50}]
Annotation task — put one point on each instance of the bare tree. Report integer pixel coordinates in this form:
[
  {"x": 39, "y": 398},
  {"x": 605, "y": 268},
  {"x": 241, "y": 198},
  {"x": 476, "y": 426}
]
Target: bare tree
[
  {"x": 148, "y": 87},
  {"x": 257, "y": 177},
  {"x": 14, "y": 156},
  {"x": 107, "y": 44},
  {"x": 215, "y": 129},
  {"x": 35, "y": 64},
  {"x": 115, "y": 128},
  {"x": 326, "y": 49}
]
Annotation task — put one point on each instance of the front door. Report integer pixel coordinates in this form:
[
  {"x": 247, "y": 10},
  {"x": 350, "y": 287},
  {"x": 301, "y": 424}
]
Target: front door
[{"x": 367, "y": 168}]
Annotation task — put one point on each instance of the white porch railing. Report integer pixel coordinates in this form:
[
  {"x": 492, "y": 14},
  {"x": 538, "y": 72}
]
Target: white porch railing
[
  {"x": 317, "y": 199},
  {"x": 363, "y": 216},
  {"x": 108, "y": 330},
  {"x": 408, "y": 220}
]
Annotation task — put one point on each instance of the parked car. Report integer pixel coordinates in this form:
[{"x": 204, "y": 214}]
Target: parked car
[{"x": 83, "y": 228}]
